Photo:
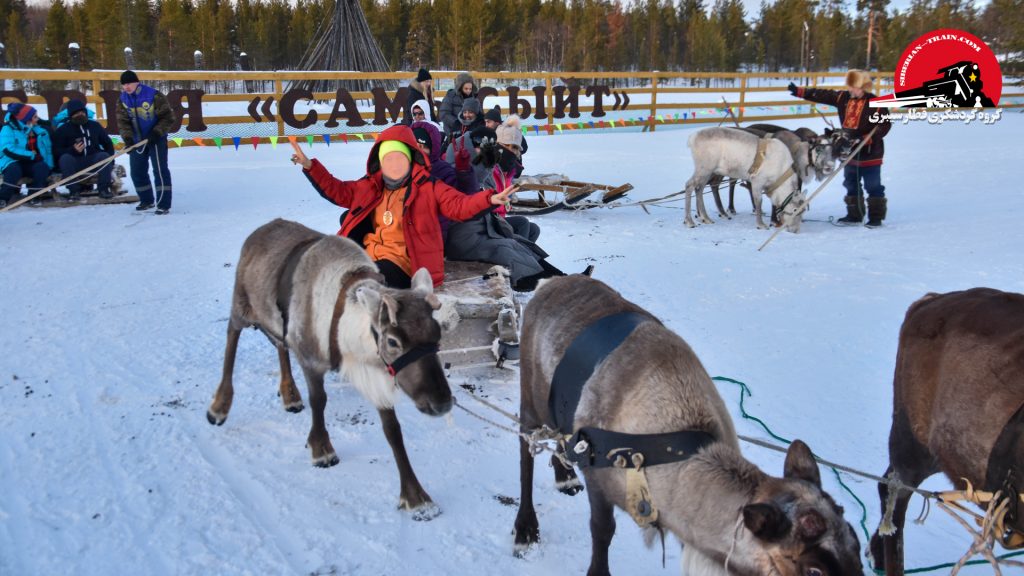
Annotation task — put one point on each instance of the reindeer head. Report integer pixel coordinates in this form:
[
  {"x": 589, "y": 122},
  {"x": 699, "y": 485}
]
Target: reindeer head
[
  {"x": 823, "y": 158},
  {"x": 798, "y": 528},
  {"x": 407, "y": 338},
  {"x": 793, "y": 208}
]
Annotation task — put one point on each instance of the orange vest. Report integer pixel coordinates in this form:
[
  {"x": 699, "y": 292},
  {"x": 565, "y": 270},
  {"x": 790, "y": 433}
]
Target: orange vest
[{"x": 387, "y": 241}]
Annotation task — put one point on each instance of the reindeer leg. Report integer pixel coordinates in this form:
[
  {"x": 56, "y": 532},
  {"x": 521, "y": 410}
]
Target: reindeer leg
[
  {"x": 290, "y": 396},
  {"x": 217, "y": 413},
  {"x": 732, "y": 194},
  {"x": 527, "y": 529},
  {"x": 715, "y": 183},
  {"x": 702, "y": 212},
  {"x": 413, "y": 496},
  {"x": 757, "y": 207},
  {"x": 566, "y": 480},
  {"x": 910, "y": 463},
  {"x": 689, "y": 217},
  {"x": 319, "y": 441},
  {"x": 602, "y": 529}
]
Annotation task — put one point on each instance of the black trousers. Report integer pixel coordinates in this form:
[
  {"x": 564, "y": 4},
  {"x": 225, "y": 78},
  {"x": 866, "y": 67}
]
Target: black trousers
[{"x": 394, "y": 276}]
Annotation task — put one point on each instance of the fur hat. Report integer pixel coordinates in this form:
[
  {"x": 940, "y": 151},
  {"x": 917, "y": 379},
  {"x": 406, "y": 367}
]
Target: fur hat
[
  {"x": 21, "y": 112},
  {"x": 494, "y": 114},
  {"x": 509, "y": 132},
  {"x": 423, "y": 74},
  {"x": 129, "y": 76},
  {"x": 859, "y": 79}
]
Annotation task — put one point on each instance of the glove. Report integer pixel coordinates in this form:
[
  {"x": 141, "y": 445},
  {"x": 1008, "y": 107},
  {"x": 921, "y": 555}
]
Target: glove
[
  {"x": 156, "y": 134},
  {"x": 461, "y": 156},
  {"x": 129, "y": 141},
  {"x": 488, "y": 152},
  {"x": 792, "y": 88}
]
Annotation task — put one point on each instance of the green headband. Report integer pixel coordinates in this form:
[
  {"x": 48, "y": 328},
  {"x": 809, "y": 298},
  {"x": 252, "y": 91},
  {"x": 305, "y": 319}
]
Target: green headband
[{"x": 389, "y": 146}]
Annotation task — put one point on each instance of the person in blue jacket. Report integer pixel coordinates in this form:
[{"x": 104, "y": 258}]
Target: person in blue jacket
[
  {"x": 25, "y": 150},
  {"x": 143, "y": 113}
]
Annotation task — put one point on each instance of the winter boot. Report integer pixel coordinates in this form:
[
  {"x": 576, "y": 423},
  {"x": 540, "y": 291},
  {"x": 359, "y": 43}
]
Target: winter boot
[
  {"x": 106, "y": 194},
  {"x": 854, "y": 210},
  {"x": 876, "y": 211}
]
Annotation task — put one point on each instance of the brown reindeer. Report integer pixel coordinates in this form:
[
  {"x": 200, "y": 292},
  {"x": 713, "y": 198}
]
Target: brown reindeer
[
  {"x": 731, "y": 517},
  {"x": 320, "y": 297},
  {"x": 958, "y": 403}
]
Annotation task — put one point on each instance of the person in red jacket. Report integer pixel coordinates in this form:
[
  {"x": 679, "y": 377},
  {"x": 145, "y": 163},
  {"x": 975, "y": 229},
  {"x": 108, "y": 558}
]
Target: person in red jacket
[{"x": 393, "y": 210}]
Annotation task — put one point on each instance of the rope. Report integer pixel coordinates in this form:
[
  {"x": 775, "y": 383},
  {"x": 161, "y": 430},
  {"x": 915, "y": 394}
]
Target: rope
[{"x": 745, "y": 391}]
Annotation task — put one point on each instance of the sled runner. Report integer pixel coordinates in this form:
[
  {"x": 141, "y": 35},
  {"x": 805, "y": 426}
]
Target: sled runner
[
  {"x": 89, "y": 196},
  {"x": 547, "y": 193}
]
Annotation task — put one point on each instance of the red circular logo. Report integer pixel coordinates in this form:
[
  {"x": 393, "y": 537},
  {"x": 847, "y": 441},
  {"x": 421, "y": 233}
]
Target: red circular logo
[{"x": 948, "y": 68}]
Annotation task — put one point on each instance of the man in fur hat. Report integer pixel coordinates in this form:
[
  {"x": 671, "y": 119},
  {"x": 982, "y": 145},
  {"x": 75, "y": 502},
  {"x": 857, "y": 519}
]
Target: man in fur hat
[{"x": 854, "y": 115}]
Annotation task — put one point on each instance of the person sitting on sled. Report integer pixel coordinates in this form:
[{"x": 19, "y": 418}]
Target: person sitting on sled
[
  {"x": 854, "y": 115},
  {"x": 393, "y": 211}
]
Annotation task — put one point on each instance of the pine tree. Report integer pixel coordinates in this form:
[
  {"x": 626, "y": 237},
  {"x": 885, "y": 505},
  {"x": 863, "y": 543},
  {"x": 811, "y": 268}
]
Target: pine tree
[{"x": 56, "y": 36}]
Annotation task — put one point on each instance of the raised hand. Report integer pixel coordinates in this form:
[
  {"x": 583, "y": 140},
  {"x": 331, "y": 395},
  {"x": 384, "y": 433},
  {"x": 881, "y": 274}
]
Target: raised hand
[{"x": 300, "y": 158}]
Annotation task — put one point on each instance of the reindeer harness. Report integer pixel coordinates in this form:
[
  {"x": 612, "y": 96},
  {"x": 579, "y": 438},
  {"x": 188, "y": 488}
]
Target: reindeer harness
[
  {"x": 591, "y": 447},
  {"x": 762, "y": 150}
]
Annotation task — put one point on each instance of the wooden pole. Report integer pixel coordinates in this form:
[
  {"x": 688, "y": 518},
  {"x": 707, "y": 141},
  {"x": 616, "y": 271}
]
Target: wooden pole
[{"x": 72, "y": 177}]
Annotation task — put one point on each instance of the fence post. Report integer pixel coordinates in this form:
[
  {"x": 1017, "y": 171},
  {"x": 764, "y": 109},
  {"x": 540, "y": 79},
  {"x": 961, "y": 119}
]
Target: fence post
[
  {"x": 96, "y": 88},
  {"x": 654, "y": 102},
  {"x": 278, "y": 94},
  {"x": 550, "y": 99},
  {"x": 743, "y": 94}
]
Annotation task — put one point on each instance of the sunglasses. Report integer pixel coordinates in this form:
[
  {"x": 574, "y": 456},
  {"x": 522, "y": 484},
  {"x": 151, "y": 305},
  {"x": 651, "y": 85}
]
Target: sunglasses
[{"x": 418, "y": 113}]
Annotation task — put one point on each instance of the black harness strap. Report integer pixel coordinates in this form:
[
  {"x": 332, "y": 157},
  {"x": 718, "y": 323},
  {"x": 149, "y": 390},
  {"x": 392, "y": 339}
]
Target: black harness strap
[
  {"x": 597, "y": 448},
  {"x": 585, "y": 352}
]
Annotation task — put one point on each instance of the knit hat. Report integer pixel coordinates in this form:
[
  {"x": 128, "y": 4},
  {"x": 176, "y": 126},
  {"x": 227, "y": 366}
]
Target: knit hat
[
  {"x": 471, "y": 104},
  {"x": 481, "y": 132},
  {"x": 422, "y": 75},
  {"x": 129, "y": 76},
  {"x": 74, "y": 106},
  {"x": 21, "y": 112},
  {"x": 389, "y": 146},
  {"x": 509, "y": 132},
  {"x": 859, "y": 79},
  {"x": 494, "y": 114},
  {"x": 422, "y": 137}
]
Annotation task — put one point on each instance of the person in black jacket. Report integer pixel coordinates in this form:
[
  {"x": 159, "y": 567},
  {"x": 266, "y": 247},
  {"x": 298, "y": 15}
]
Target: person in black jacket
[
  {"x": 79, "y": 143},
  {"x": 855, "y": 117},
  {"x": 420, "y": 89}
]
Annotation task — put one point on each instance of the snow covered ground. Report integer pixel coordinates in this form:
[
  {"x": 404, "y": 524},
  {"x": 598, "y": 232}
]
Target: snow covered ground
[{"x": 113, "y": 331}]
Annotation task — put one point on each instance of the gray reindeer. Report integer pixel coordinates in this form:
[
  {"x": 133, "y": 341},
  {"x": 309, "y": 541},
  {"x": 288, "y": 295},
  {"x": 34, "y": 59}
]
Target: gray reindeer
[
  {"x": 320, "y": 297},
  {"x": 654, "y": 438}
]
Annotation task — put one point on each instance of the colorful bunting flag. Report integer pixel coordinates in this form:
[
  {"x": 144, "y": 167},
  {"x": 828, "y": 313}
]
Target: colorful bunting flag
[
  {"x": 525, "y": 130},
  {"x": 237, "y": 140},
  {"x": 327, "y": 139},
  {"x": 309, "y": 140},
  {"x": 255, "y": 142},
  {"x": 360, "y": 136},
  {"x": 273, "y": 142},
  {"x": 199, "y": 141},
  {"x": 218, "y": 141},
  {"x": 178, "y": 141},
  {"x": 536, "y": 129},
  {"x": 559, "y": 126},
  {"x": 344, "y": 138},
  {"x": 294, "y": 141}
]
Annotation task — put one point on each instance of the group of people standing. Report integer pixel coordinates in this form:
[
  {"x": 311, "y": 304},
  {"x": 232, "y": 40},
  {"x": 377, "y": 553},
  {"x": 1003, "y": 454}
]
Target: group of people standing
[{"x": 73, "y": 141}]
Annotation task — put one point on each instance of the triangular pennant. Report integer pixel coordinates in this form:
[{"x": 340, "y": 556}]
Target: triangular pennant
[
  {"x": 344, "y": 138},
  {"x": 536, "y": 129},
  {"x": 559, "y": 126},
  {"x": 684, "y": 115},
  {"x": 218, "y": 141},
  {"x": 236, "y": 140},
  {"x": 360, "y": 136},
  {"x": 327, "y": 139},
  {"x": 525, "y": 130},
  {"x": 293, "y": 140},
  {"x": 255, "y": 142},
  {"x": 115, "y": 140},
  {"x": 375, "y": 136},
  {"x": 178, "y": 141},
  {"x": 309, "y": 140},
  {"x": 199, "y": 141},
  {"x": 581, "y": 125},
  {"x": 273, "y": 142},
  {"x": 591, "y": 123}
]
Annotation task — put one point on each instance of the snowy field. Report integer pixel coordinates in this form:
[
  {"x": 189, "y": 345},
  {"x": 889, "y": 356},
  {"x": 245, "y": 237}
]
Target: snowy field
[{"x": 113, "y": 340}]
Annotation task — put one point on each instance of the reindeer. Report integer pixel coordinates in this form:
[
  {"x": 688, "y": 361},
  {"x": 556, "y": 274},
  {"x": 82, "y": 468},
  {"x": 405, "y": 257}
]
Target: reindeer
[
  {"x": 958, "y": 405},
  {"x": 320, "y": 297},
  {"x": 765, "y": 163},
  {"x": 732, "y": 518}
]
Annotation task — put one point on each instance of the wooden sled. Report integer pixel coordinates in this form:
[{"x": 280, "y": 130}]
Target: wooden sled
[
  {"x": 555, "y": 192},
  {"x": 89, "y": 196}
]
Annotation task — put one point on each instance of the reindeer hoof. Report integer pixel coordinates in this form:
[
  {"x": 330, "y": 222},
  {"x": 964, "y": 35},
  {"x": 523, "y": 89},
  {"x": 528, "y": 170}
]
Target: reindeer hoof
[
  {"x": 570, "y": 487},
  {"x": 215, "y": 418},
  {"x": 526, "y": 540},
  {"x": 426, "y": 512},
  {"x": 294, "y": 407},
  {"x": 690, "y": 224},
  {"x": 326, "y": 461}
]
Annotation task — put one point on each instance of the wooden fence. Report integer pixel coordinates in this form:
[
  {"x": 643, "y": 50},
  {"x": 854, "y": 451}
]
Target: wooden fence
[{"x": 661, "y": 98}]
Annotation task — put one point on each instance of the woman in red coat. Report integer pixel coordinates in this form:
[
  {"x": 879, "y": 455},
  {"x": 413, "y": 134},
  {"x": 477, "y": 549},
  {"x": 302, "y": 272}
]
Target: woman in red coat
[{"x": 393, "y": 209}]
